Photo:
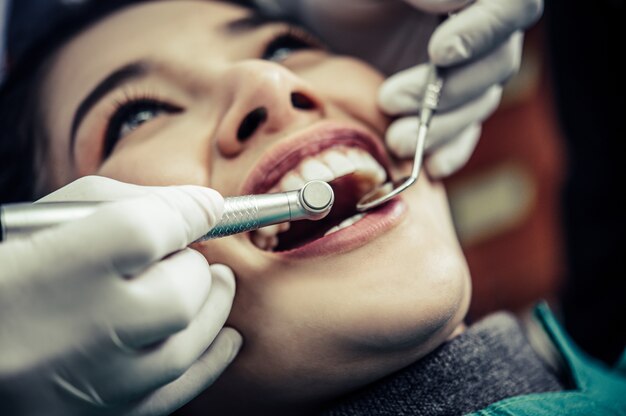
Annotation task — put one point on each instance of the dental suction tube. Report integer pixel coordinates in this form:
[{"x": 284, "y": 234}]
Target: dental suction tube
[{"x": 241, "y": 213}]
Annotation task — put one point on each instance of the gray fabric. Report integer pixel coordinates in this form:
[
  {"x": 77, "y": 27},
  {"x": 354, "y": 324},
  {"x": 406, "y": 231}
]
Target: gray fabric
[{"x": 489, "y": 362}]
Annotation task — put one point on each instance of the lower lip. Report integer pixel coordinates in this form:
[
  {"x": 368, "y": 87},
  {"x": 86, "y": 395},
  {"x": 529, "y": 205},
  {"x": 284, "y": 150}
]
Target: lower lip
[{"x": 374, "y": 224}]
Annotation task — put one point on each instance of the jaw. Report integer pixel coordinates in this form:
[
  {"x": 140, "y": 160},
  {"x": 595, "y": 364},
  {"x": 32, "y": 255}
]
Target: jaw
[{"x": 316, "y": 328}]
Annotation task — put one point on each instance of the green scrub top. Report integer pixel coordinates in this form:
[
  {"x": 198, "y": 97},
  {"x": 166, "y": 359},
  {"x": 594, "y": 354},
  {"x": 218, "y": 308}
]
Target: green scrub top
[{"x": 599, "y": 390}]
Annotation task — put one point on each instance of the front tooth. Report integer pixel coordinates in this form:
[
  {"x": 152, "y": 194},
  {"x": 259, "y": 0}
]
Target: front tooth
[
  {"x": 269, "y": 231},
  {"x": 259, "y": 241},
  {"x": 332, "y": 230},
  {"x": 291, "y": 182},
  {"x": 312, "y": 169},
  {"x": 368, "y": 169},
  {"x": 374, "y": 167},
  {"x": 284, "y": 227},
  {"x": 264, "y": 242},
  {"x": 272, "y": 243},
  {"x": 338, "y": 163},
  {"x": 349, "y": 221},
  {"x": 356, "y": 157}
]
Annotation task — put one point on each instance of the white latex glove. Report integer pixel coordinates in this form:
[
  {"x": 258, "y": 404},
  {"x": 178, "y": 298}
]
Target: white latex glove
[
  {"x": 479, "y": 48},
  {"x": 113, "y": 314}
]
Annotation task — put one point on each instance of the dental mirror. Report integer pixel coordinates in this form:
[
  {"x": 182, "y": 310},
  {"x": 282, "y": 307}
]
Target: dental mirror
[{"x": 391, "y": 189}]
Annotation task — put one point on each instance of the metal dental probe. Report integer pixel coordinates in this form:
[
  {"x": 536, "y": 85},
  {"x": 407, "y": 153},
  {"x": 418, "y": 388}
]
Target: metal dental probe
[
  {"x": 391, "y": 189},
  {"x": 241, "y": 213}
]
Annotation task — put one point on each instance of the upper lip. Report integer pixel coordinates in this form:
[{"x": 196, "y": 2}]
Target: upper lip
[{"x": 287, "y": 153}]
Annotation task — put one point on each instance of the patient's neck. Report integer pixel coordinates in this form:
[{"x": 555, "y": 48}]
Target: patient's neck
[
  {"x": 474, "y": 367},
  {"x": 477, "y": 366}
]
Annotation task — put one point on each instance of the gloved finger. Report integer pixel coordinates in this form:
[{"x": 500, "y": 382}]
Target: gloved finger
[
  {"x": 403, "y": 92},
  {"x": 479, "y": 28},
  {"x": 401, "y": 135},
  {"x": 98, "y": 188},
  {"x": 161, "y": 301},
  {"x": 439, "y": 6},
  {"x": 143, "y": 372},
  {"x": 196, "y": 379},
  {"x": 454, "y": 154},
  {"x": 130, "y": 235}
]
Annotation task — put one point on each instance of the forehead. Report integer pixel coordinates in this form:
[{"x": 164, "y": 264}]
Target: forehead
[{"x": 153, "y": 27}]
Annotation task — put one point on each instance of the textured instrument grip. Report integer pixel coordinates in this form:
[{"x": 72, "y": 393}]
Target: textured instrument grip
[
  {"x": 241, "y": 214},
  {"x": 433, "y": 91}
]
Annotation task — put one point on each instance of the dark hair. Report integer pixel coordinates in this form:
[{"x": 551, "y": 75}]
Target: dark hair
[
  {"x": 23, "y": 140},
  {"x": 20, "y": 128}
]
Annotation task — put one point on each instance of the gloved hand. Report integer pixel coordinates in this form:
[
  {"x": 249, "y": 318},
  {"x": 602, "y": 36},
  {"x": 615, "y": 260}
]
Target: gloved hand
[
  {"x": 113, "y": 314},
  {"x": 479, "y": 48}
]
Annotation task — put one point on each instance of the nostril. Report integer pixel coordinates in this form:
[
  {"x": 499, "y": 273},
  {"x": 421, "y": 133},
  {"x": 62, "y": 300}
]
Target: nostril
[
  {"x": 251, "y": 122},
  {"x": 301, "y": 101}
]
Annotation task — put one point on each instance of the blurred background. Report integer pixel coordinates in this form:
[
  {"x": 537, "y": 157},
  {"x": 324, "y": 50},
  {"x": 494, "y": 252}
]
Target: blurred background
[{"x": 540, "y": 206}]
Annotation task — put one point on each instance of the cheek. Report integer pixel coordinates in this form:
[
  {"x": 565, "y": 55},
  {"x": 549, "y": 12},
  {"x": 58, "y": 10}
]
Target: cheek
[
  {"x": 159, "y": 163},
  {"x": 352, "y": 86}
]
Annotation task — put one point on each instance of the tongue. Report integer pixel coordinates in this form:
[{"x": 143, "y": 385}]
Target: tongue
[{"x": 348, "y": 190}]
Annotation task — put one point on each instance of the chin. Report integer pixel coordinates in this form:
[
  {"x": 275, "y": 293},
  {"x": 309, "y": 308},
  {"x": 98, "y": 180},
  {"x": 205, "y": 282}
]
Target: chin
[{"x": 292, "y": 378}]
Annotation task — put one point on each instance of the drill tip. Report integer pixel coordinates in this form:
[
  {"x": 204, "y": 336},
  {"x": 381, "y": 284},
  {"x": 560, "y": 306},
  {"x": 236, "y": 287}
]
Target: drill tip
[{"x": 317, "y": 196}]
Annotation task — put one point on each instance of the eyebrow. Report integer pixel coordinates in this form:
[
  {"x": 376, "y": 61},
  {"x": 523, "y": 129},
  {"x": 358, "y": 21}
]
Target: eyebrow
[
  {"x": 126, "y": 73},
  {"x": 251, "y": 21},
  {"x": 139, "y": 69}
]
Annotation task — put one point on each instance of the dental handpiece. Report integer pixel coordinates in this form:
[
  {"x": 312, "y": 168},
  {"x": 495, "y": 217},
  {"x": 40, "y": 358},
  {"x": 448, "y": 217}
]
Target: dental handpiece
[{"x": 241, "y": 213}]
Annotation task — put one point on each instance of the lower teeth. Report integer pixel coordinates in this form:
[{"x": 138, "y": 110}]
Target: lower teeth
[
  {"x": 344, "y": 224},
  {"x": 268, "y": 241}
]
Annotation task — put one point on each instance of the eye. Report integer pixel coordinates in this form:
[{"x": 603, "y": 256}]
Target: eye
[
  {"x": 291, "y": 40},
  {"x": 129, "y": 116}
]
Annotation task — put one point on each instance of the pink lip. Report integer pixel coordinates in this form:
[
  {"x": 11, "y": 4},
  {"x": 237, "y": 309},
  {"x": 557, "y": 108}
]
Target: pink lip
[
  {"x": 288, "y": 153},
  {"x": 374, "y": 224}
]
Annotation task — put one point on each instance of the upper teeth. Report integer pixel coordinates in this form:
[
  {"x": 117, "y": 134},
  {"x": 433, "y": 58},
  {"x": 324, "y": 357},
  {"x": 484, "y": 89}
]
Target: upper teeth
[
  {"x": 332, "y": 164},
  {"x": 327, "y": 166}
]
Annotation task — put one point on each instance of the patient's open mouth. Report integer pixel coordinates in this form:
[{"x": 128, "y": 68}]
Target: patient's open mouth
[{"x": 351, "y": 171}]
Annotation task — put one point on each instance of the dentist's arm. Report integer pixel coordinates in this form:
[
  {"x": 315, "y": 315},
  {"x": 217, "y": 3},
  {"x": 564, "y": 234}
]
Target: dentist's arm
[
  {"x": 479, "y": 48},
  {"x": 113, "y": 314}
]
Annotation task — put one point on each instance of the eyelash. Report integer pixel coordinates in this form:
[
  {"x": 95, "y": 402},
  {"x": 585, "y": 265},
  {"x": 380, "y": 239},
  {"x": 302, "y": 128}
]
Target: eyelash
[
  {"x": 132, "y": 105},
  {"x": 275, "y": 50},
  {"x": 291, "y": 37}
]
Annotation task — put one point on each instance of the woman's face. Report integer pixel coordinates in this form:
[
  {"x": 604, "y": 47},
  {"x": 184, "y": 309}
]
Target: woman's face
[{"x": 196, "y": 92}]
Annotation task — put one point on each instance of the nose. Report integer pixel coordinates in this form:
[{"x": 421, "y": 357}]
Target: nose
[{"x": 262, "y": 98}]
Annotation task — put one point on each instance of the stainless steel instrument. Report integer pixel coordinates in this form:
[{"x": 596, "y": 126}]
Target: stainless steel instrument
[
  {"x": 241, "y": 213},
  {"x": 391, "y": 189}
]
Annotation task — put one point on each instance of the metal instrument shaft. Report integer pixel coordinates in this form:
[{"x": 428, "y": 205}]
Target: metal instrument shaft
[{"x": 241, "y": 213}]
